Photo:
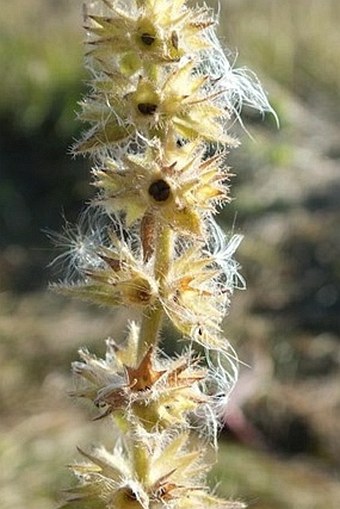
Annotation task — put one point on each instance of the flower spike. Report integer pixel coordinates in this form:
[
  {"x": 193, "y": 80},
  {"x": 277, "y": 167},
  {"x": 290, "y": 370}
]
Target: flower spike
[{"x": 162, "y": 101}]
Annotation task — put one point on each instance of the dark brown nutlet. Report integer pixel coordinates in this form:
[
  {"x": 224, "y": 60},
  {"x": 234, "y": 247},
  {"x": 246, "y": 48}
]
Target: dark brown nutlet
[
  {"x": 148, "y": 39},
  {"x": 147, "y": 108},
  {"x": 159, "y": 190},
  {"x": 174, "y": 39}
]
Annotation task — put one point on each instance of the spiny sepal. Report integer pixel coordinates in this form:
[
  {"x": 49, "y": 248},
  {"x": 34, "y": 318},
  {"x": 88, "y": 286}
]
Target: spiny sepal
[
  {"x": 164, "y": 472},
  {"x": 176, "y": 184},
  {"x": 193, "y": 298},
  {"x": 155, "y": 33},
  {"x": 122, "y": 279},
  {"x": 154, "y": 392},
  {"x": 177, "y": 104}
]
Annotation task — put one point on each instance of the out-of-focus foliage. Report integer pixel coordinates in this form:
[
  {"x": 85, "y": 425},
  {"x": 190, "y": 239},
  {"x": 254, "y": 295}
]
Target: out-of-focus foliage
[
  {"x": 41, "y": 81},
  {"x": 295, "y": 43},
  {"x": 41, "y": 64}
]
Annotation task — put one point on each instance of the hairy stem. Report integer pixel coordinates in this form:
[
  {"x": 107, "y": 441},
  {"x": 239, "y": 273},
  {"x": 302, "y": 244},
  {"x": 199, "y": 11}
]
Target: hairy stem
[
  {"x": 151, "y": 324},
  {"x": 152, "y": 317},
  {"x": 140, "y": 459}
]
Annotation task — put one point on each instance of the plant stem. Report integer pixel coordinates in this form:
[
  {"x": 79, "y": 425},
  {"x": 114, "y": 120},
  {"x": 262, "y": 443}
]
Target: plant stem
[
  {"x": 151, "y": 323},
  {"x": 152, "y": 317},
  {"x": 140, "y": 458}
]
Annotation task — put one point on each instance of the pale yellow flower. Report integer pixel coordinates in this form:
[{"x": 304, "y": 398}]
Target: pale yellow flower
[
  {"x": 193, "y": 298},
  {"x": 167, "y": 473},
  {"x": 176, "y": 104},
  {"x": 153, "y": 33},
  {"x": 176, "y": 185}
]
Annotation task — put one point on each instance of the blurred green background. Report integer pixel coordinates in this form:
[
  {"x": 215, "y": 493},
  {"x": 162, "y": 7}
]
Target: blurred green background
[{"x": 281, "y": 447}]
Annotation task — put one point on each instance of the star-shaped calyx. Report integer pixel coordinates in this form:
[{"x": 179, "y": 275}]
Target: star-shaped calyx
[
  {"x": 155, "y": 392},
  {"x": 145, "y": 375}
]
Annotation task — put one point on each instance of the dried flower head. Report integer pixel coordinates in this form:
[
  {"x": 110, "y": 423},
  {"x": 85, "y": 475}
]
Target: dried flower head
[{"x": 156, "y": 392}]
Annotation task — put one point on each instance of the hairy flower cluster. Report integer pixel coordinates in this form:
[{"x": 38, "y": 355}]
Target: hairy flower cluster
[
  {"x": 173, "y": 476},
  {"x": 154, "y": 393},
  {"x": 162, "y": 100}
]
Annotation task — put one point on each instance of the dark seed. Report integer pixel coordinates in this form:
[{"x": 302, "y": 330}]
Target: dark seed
[
  {"x": 174, "y": 39},
  {"x": 130, "y": 494},
  {"x": 159, "y": 190},
  {"x": 147, "y": 39},
  {"x": 147, "y": 108}
]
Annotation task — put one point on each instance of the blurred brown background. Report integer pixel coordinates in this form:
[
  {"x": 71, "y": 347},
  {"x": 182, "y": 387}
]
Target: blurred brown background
[{"x": 281, "y": 446}]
